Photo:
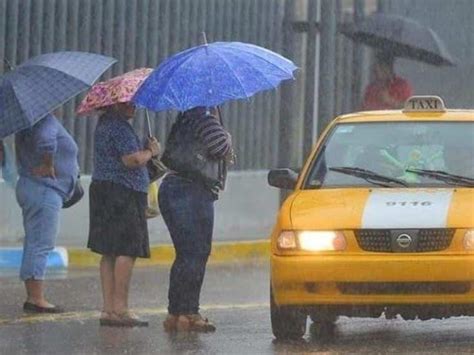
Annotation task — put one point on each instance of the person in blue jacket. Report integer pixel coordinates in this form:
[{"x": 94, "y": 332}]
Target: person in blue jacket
[{"x": 48, "y": 169}]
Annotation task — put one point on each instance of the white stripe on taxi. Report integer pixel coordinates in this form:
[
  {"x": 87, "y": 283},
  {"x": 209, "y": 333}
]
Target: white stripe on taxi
[{"x": 407, "y": 209}]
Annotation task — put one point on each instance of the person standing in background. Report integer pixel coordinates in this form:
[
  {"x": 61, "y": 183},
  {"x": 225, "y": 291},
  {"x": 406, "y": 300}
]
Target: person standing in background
[
  {"x": 186, "y": 199},
  {"x": 48, "y": 169},
  {"x": 387, "y": 91},
  {"x": 118, "y": 227}
]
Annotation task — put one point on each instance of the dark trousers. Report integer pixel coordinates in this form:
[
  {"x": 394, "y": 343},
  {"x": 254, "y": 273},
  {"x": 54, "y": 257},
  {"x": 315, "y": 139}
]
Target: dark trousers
[{"x": 188, "y": 211}]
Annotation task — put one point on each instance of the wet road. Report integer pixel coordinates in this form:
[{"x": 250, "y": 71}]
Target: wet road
[{"x": 235, "y": 298}]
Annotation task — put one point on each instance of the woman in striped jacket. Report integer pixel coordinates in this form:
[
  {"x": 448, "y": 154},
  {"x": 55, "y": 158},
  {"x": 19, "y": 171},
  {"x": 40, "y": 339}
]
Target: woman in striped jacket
[{"x": 186, "y": 200}]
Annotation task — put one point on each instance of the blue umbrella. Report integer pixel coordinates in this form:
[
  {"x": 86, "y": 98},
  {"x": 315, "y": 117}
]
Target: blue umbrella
[
  {"x": 43, "y": 83},
  {"x": 211, "y": 74}
]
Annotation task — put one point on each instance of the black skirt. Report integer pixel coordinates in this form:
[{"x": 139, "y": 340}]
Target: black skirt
[{"x": 118, "y": 226}]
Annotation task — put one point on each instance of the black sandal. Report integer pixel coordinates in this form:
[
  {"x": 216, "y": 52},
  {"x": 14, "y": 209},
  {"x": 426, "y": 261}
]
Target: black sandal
[
  {"x": 33, "y": 308},
  {"x": 105, "y": 319}
]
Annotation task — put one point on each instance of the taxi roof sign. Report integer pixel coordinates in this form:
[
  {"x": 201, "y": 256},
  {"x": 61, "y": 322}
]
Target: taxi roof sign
[{"x": 424, "y": 103}]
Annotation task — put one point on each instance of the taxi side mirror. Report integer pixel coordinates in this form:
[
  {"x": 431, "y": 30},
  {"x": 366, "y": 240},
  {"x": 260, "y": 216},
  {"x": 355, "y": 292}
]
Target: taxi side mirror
[{"x": 282, "y": 178}]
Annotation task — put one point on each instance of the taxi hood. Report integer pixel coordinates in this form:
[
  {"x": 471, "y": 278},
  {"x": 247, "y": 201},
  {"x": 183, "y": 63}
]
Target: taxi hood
[{"x": 383, "y": 208}]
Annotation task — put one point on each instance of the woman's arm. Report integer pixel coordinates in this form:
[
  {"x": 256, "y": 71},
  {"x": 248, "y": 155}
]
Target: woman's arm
[
  {"x": 211, "y": 133},
  {"x": 142, "y": 157},
  {"x": 137, "y": 159},
  {"x": 125, "y": 143}
]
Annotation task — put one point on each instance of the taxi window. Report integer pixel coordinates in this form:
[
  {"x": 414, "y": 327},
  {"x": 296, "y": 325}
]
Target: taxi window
[{"x": 390, "y": 148}]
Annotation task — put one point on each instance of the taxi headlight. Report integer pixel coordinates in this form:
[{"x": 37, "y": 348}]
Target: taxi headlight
[
  {"x": 321, "y": 240},
  {"x": 286, "y": 240},
  {"x": 469, "y": 239}
]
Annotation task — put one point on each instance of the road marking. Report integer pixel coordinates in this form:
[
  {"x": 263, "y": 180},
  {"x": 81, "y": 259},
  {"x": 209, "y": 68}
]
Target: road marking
[{"x": 87, "y": 315}]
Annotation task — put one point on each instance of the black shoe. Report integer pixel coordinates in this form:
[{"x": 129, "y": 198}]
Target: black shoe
[{"x": 33, "y": 308}]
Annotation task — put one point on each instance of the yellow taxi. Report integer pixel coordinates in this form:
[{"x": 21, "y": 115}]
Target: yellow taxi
[{"x": 380, "y": 220}]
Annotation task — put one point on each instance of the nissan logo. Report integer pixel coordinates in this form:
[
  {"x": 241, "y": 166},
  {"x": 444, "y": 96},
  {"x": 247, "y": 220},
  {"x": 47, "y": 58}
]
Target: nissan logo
[{"x": 404, "y": 241}]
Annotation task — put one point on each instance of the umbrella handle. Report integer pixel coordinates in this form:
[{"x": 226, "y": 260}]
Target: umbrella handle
[
  {"x": 148, "y": 123},
  {"x": 222, "y": 165},
  {"x": 9, "y": 65},
  {"x": 220, "y": 116},
  {"x": 204, "y": 37}
]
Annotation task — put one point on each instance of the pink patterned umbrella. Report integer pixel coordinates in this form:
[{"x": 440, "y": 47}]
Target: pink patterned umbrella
[{"x": 113, "y": 91}]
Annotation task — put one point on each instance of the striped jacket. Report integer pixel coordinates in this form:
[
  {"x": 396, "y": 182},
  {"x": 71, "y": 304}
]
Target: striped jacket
[{"x": 209, "y": 132}]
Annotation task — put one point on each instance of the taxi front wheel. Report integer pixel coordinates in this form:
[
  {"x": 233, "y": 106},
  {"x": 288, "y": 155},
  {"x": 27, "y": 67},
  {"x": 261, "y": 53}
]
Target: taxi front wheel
[
  {"x": 287, "y": 323},
  {"x": 322, "y": 329}
]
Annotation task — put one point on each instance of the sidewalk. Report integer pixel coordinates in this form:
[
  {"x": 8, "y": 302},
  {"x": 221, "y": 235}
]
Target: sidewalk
[
  {"x": 161, "y": 254},
  {"x": 222, "y": 252},
  {"x": 246, "y": 210},
  {"x": 244, "y": 216}
]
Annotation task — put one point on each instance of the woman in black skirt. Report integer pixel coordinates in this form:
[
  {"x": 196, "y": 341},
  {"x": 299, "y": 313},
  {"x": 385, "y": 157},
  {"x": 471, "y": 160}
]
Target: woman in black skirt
[{"x": 118, "y": 200}]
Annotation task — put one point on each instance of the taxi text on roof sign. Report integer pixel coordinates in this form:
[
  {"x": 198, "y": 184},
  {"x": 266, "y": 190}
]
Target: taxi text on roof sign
[{"x": 426, "y": 103}]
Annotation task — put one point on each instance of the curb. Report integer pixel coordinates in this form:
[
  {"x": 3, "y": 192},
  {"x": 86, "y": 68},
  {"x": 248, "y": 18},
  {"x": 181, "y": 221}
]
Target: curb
[
  {"x": 10, "y": 258},
  {"x": 222, "y": 252}
]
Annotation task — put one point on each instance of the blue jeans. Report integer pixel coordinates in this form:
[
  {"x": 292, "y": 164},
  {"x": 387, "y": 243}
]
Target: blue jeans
[
  {"x": 188, "y": 211},
  {"x": 40, "y": 206}
]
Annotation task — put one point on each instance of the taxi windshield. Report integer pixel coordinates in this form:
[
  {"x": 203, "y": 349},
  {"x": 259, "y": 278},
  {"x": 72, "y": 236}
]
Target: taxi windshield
[{"x": 394, "y": 154}]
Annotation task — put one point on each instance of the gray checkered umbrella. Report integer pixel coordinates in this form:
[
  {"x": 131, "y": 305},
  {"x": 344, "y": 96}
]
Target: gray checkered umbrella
[
  {"x": 401, "y": 37},
  {"x": 41, "y": 84}
]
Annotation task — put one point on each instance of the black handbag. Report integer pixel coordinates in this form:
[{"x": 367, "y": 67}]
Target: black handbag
[
  {"x": 76, "y": 195},
  {"x": 188, "y": 157},
  {"x": 156, "y": 169}
]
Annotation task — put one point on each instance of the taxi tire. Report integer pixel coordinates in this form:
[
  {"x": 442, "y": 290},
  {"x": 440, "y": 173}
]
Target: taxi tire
[
  {"x": 323, "y": 329},
  {"x": 287, "y": 323}
]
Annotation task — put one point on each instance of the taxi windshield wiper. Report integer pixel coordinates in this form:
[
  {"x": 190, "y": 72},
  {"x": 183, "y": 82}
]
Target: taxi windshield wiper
[
  {"x": 369, "y": 176},
  {"x": 444, "y": 176}
]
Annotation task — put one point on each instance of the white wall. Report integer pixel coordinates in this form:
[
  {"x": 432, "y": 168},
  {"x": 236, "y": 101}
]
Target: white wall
[{"x": 246, "y": 210}]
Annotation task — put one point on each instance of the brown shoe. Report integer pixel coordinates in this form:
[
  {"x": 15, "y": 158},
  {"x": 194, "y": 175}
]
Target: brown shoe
[
  {"x": 170, "y": 323},
  {"x": 126, "y": 319},
  {"x": 194, "y": 323}
]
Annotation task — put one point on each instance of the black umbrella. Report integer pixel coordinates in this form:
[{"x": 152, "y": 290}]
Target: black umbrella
[{"x": 400, "y": 36}]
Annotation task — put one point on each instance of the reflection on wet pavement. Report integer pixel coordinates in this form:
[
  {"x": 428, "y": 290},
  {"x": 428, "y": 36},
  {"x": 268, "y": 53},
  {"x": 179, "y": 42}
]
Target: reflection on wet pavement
[{"x": 234, "y": 298}]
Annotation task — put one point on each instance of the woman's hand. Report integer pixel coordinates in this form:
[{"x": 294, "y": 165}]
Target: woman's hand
[
  {"x": 230, "y": 157},
  {"x": 46, "y": 169},
  {"x": 154, "y": 146}
]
